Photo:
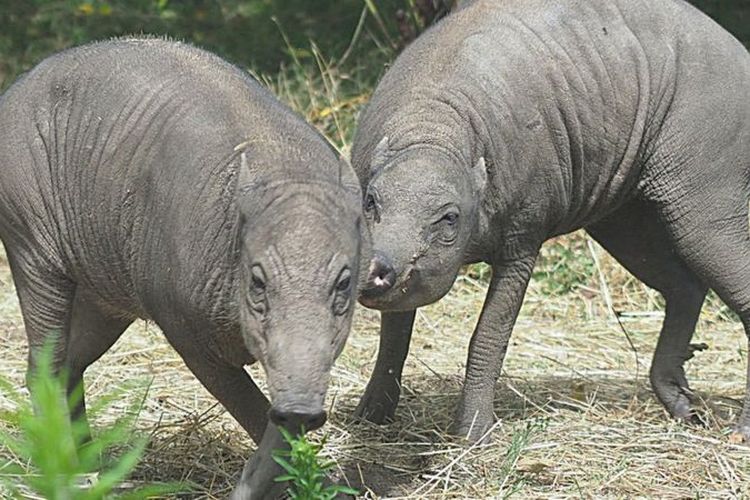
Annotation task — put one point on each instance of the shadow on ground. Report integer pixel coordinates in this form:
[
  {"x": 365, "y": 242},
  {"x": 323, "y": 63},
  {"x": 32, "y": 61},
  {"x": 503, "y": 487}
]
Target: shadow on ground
[{"x": 392, "y": 460}]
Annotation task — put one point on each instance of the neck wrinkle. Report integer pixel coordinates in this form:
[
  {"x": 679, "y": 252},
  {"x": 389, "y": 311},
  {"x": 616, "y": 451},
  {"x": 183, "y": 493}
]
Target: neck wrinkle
[{"x": 434, "y": 120}]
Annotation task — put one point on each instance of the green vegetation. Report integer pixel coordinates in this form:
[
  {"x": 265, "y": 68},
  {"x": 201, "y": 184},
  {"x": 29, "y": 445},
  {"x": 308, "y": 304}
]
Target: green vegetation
[
  {"x": 54, "y": 457},
  {"x": 247, "y": 32},
  {"x": 564, "y": 266},
  {"x": 511, "y": 482},
  {"x": 262, "y": 34},
  {"x": 305, "y": 471}
]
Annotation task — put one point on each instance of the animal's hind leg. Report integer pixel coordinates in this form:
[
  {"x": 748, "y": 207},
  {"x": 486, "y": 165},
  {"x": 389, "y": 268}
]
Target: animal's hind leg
[
  {"x": 92, "y": 333},
  {"x": 709, "y": 231},
  {"x": 54, "y": 310},
  {"x": 46, "y": 299},
  {"x": 636, "y": 237}
]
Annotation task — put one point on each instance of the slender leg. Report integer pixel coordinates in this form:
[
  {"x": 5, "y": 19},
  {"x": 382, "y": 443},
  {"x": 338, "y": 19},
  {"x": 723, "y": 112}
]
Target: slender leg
[
  {"x": 488, "y": 346},
  {"x": 637, "y": 238},
  {"x": 257, "y": 481},
  {"x": 378, "y": 404},
  {"x": 709, "y": 231},
  {"x": 239, "y": 394},
  {"x": 231, "y": 385},
  {"x": 92, "y": 333},
  {"x": 672, "y": 350},
  {"x": 46, "y": 299}
]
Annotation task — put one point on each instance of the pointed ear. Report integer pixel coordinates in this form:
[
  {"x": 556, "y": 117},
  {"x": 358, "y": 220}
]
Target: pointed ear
[
  {"x": 247, "y": 175},
  {"x": 380, "y": 153},
  {"x": 365, "y": 252},
  {"x": 479, "y": 174},
  {"x": 348, "y": 179}
]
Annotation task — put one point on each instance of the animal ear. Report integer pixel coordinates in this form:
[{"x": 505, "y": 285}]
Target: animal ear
[
  {"x": 247, "y": 174},
  {"x": 365, "y": 252},
  {"x": 380, "y": 153},
  {"x": 348, "y": 179},
  {"x": 479, "y": 173}
]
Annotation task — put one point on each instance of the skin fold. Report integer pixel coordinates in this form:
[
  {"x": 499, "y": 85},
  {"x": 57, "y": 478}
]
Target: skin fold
[
  {"x": 143, "y": 178},
  {"x": 514, "y": 121}
]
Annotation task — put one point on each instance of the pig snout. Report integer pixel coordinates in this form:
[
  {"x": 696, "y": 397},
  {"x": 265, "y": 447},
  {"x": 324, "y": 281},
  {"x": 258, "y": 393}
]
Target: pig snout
[
  {"x": 381, "y": 276},
  {"x": 294, "y": 420},
  {"x": 298, "y": 373}
]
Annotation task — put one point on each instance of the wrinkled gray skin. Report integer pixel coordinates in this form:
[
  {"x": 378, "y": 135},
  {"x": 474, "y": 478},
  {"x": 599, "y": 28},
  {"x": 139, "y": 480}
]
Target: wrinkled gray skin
[
  {"x": 142, "y": 178},
  {"x": 514, "y": 121}
]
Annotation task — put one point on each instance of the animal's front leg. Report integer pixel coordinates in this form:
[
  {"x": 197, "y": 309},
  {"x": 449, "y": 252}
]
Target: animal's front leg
[
  {"x": 257, "y": 480},
  {"x": 228, "y": 383},
  {"x": 488, "y": 346},
  {"x": 378, "y": 404},
  {"x": 742, "y": 428}
]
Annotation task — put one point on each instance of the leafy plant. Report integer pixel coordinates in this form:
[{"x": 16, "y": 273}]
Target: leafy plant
[
  {"x": 305, "y": 471},
  {"x": 563, "y": 265},
  {"x": 57, "y": 452}
]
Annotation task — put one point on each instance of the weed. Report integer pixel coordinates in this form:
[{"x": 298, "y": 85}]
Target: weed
[
  {"x": 57, "y": 453},
  {"x": 510, "y": 484},
  {"x": 305, "y": 471},
  {"x": 563, "y": 266}
]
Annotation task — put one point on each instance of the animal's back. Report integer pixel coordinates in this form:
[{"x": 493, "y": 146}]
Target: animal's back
[
  {"x": 606, "y": 86},
  {"x": 675, "y": 51}
]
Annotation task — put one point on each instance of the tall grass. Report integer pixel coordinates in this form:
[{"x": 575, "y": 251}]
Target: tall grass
[{"x": 55, "y": 458}]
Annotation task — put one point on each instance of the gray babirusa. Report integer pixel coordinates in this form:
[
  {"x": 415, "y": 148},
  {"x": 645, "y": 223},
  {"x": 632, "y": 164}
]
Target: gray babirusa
[
  {"x": 514, "y": 121},
  {"x": 143, "y": 178}
]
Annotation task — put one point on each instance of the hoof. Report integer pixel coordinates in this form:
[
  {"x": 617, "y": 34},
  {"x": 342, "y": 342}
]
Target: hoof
[
  {"x": 696, "y": 419},
  {"x": 475, "y": 431},
  {"x": 379, "y": 409},
  {"x": 683, "y": 409},
  {"x": 675, "y": 395}
]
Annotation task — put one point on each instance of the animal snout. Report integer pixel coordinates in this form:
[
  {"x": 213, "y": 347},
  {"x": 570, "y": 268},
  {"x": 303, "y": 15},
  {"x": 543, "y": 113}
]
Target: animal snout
[
  {"x": 382, "y": 275},
  {"x": 293, "y": 421}
]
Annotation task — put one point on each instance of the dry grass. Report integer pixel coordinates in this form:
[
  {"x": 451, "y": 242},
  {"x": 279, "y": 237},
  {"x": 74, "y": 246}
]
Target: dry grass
[{"x": 577, "y": 418}]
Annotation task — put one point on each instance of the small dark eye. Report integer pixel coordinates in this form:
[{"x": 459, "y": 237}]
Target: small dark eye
[
  {"x": 256, "y": 296},
  {"x": 342, "y": 296},
  {"x": 370, "y": 203},
  {"x": 258, "y": 278},
  {"x": 450, "y": 218},
  {"x": 344, "y": 284}
]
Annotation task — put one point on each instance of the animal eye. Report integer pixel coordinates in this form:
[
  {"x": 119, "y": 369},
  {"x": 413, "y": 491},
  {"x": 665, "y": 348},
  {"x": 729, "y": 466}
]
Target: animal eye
[
  {"x": 258, "y": 278},
  {"x": 450, "y": 218},
  {"x": 342, "y": 292},
  {"x": 344, "y": 284},
  {"x": 258, "y": 283},
  {"x": 370, "y": 203},
  {"x": 256, "y": 296}
]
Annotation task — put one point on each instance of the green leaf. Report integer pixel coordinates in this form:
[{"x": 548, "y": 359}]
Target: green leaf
[
  {"x": 54, "y": 471},
  {"x": 289, "y": 468}
]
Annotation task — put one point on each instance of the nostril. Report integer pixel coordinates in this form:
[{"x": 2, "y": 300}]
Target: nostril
[
  {"x": 297, "y": 421},
  {"x": 278, "y": 417},
  {"x": 382, "y": 274},
  {"x": 316, "y": 421}
]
